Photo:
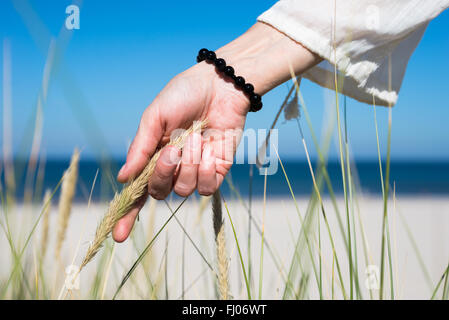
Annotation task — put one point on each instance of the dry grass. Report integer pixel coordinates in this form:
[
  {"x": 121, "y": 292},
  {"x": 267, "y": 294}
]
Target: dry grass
[
  {"x": 220, "y": 240},
  {"x": 45, "y": 222},
  {"x": 68, "y": 188},
  {"x": 130, "y": 195}
]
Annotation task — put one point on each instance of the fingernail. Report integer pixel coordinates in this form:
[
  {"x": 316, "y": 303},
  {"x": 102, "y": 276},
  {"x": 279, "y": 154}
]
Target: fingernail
[{"x": 122, "y": 170}]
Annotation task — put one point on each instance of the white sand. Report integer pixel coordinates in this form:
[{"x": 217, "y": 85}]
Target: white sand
[{"x": 427, "y": 217}]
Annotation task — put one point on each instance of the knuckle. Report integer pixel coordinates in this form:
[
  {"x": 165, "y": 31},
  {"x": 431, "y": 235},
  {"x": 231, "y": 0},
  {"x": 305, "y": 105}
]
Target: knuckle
[
  {"x": 205, "y": 171},
  {"x": 183, "y": 190},
  {"x": 162, "y": 172},
  {"x": 156, "y": 194}
]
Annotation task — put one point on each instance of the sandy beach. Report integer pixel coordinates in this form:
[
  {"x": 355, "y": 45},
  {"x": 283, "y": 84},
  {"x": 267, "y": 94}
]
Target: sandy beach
[{"x": 426, "y": 217}]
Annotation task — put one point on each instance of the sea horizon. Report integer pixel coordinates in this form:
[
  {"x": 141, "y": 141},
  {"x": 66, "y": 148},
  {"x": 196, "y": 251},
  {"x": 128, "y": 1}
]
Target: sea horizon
[{"x": 409, "y": 177}]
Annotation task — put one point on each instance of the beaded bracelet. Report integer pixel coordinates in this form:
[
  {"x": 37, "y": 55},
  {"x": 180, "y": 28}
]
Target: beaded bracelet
[{"x": 220, "y": 64}]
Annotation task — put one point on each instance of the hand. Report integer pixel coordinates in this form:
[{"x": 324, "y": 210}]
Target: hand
[{"x": 197, "y": 94}]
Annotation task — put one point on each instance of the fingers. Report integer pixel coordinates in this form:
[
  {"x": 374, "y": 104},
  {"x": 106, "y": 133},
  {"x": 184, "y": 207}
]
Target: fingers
[
  {"x": 159, "y": 187},
  {"x": 161, "y": 181},
  {"x": 188, "y": 171},
  {"x": 123, "y": 227},
  {"x": 143, "y": 146},
  {"x": 197, "y": 170},
  {"x": 207, "y": 177}
]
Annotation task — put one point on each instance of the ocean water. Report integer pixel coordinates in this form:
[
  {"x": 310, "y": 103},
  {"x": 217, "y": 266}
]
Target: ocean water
[{"x": 409, "y": 178}]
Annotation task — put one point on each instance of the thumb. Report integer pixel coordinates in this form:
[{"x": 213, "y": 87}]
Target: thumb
[{"x": 144, "y": 145}]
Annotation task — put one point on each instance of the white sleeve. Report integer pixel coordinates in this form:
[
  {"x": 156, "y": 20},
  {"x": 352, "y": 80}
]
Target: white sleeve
[{"x": 359, "y": 44}]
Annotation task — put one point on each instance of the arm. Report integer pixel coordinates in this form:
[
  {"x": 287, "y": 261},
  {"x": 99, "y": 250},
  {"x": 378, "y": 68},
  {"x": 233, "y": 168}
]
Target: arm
[{"x": 262, "y": 56}]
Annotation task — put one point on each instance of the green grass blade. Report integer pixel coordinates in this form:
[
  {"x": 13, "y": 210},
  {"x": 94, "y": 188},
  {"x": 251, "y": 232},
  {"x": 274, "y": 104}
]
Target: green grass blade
[
  {"x": 385, "y": 209},
  {"x": 445, "y": 273},
  {"x": 275, "y": 258},
  {"x": 263, "y": 235},
  {"x": 248, "y": 290},
  {"x": 288, "y": 283},
  {"x": 145, "y": 251}
]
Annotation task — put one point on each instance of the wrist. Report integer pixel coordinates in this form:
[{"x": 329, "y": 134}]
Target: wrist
[{"x": 263, "y": 56}]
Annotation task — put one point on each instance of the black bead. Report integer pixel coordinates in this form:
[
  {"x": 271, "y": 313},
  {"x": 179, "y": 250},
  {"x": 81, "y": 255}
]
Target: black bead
[
  {"x": 256, "y": 107},
  {"x": 248, "y": 88},
  {"x": 211, "y": 56},
  {"x": 220, "y": 64},
  {"x": 255, "y": 98},
  {"x": 202, "y": 54},
  {"x": 229, "y": 71},
  {"x": 239, "y": 82}
]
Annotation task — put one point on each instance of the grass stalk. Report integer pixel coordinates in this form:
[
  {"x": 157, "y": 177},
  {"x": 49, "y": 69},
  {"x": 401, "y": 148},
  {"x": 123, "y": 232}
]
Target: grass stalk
[
  {"x": 145, "y": 251},
  {"x": 45, "y": 224},
  {"x": 343, "y": 175},
  {"x": 248, "y": 289},
  {"x": 130, "y": 196},
  {"x": 220, "y": 241},
  {"x": 306, "y": 237},
  {"x": 444, "y": 276},
  {"x": 263, "y": 235},
  {"x": 317, "y": 191},
  {"x": 68, "y": 189},
  {"x": 385, "y": 196},
  {"x": 250, "y": 218},
  {"x": 323, "y": 171},
  {"x": 274, "y": 257},
  {"x": 195, "y": 246}
]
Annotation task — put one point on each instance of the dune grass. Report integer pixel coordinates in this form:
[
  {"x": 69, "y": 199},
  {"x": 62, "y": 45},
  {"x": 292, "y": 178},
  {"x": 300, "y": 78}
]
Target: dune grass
[
  {"x": 28, "y": 280},
  {"x": 308, "y": 273}
]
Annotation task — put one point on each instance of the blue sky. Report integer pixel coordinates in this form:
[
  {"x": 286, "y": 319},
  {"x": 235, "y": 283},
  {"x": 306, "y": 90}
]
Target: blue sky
[{"x": 126, "y": 51}]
